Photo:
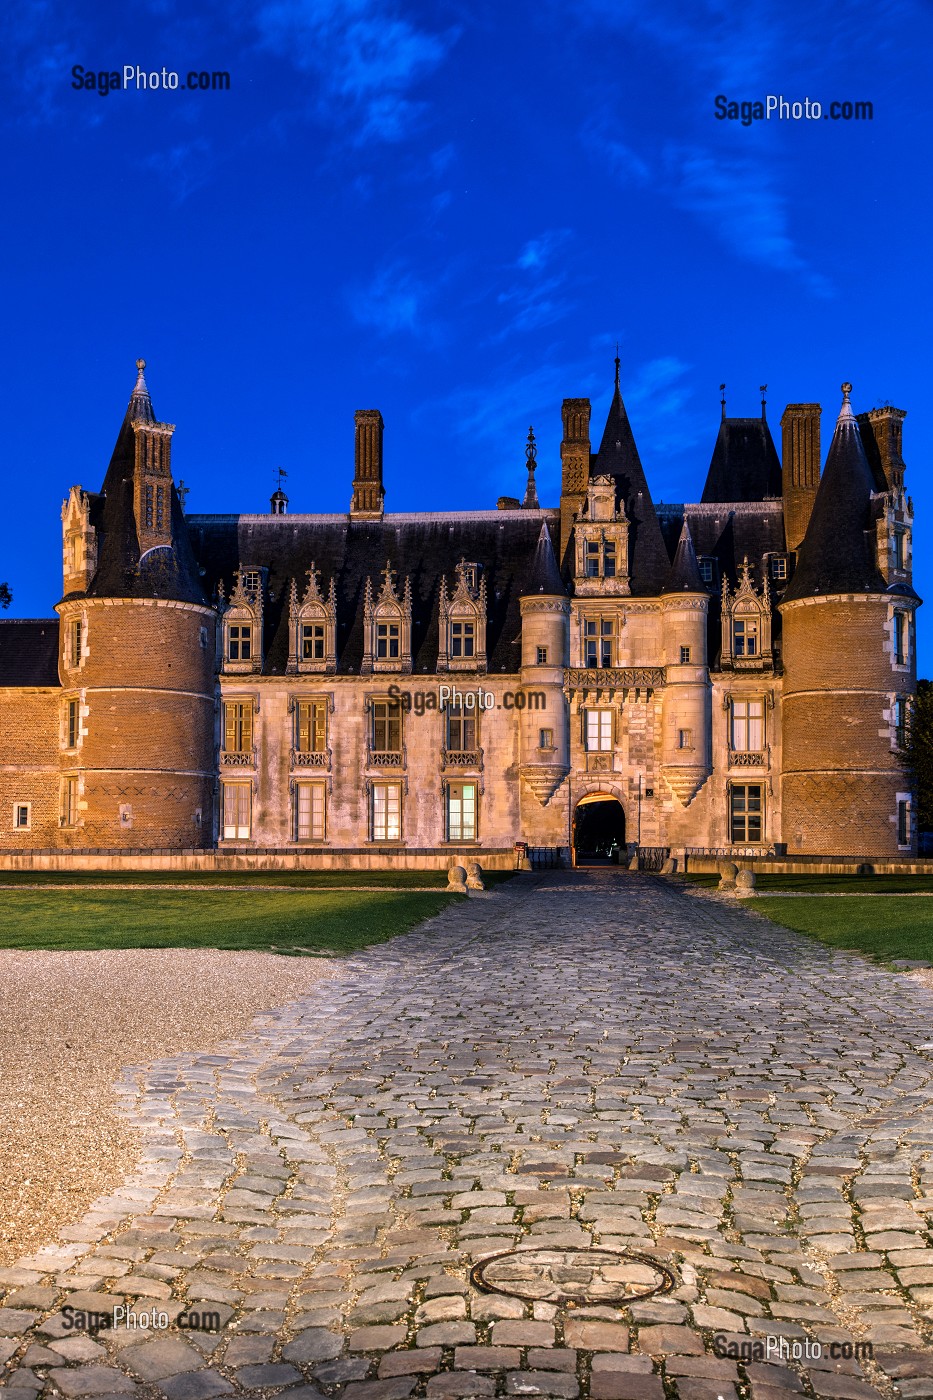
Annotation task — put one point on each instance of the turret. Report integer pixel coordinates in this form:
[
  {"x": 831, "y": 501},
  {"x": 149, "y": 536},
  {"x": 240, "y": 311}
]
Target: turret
[
  {"x": 137, "y": 655},
  {"x": 849, "y": 660}
]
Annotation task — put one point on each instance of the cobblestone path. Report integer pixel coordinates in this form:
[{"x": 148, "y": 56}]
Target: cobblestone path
[{"x": 578, "y": 1060}]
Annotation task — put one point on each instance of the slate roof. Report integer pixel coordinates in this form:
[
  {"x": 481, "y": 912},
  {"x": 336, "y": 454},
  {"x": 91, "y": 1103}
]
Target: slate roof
[
  {"x": 507, "y": 544},
  {"x": 685, "y": 571},
  {"x": 729, "y": 534},
  {"x": 836, "y": 555},
  {"x": 162, "y": 573},
  {"x": 29, "y": 652},
  {"x": 649, "y": 562},
  {"x": 744, "y": 465}
]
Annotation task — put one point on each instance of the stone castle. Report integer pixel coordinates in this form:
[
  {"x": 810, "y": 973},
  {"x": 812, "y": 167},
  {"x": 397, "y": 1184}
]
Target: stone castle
[{"x": 726, "y": 677}]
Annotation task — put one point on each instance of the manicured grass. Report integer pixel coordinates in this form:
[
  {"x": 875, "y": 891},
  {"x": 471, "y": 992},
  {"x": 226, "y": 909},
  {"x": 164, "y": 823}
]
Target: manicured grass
[
  {"x": 90, "y": 919},
  {"x": 292, "y": 879},
  {"x": 884, "y": 928},
  {"x": 832, "y": 884}
]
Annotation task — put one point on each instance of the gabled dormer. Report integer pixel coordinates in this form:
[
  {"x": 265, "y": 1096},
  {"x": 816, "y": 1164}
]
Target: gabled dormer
[
  {"x": 242, "y": 623},
  {"x": 746, "y": 624},
  {"x": 312, "y": 626},
  {"x": 79, "y": 542},
  {"x": 600, "y": 533},
  {"x": 462, "y": 621},
  {"x": 387, "y": 625}
]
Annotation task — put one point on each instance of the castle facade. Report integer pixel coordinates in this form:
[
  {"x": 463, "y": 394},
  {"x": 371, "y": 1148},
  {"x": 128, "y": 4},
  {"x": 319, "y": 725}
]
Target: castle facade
[{"x": 730, "y": 676}]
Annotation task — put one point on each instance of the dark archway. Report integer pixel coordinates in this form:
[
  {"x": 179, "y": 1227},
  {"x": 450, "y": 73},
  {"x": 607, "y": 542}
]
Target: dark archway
[{"x": 598, "y": 830}]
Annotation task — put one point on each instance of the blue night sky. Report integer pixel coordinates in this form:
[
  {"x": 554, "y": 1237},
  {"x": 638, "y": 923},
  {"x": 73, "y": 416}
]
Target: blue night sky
[{"x": 450, "y": 212}]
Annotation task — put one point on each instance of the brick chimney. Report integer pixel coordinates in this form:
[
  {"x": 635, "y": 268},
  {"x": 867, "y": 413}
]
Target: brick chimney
[
  {"x": 575, "y": 464},
  {"x": 368, "y": 494},
  {"x": 800, "y": 429},
  {"x": 882, "y": 434}
]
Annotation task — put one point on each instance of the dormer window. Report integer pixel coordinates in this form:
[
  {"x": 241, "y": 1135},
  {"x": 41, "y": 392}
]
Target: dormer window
[
  {"x": 242, "y": 623},
  {"x": 462, "y": 621},
  {"x": 708, "y": 571},
  {"x": 591, "y": 558},
  {"x": 746, "y": 623},
  {"x": 779, "y": 568},
  {"x": 387, "y": 625},
  {"x": 312, "y": 626},
  {"x": 240, "y": 641}
]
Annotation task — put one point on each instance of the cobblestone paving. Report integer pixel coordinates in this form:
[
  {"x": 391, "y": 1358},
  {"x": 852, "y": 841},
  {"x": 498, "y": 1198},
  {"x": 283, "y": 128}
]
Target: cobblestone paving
[{"x": 577, "y": 1060}]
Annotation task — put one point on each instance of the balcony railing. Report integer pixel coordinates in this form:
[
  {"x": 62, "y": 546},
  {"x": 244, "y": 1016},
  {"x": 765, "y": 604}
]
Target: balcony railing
[
  {"x": 238, "y": 758},
  {"x": 392, "y": 758},
  {"x": 311, "y": 758},
  {"x": 748, "y": 758},
  {"x": 462, "y": 758}
]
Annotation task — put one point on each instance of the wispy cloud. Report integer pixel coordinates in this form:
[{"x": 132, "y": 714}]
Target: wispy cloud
[
  {"x": 365, "y": 54},
  {"x": 393, "y": 302},
  {"x": 738, "y": 199},
  {"x": 539, "y": 252},
  {"x": 184, "y": 166}
]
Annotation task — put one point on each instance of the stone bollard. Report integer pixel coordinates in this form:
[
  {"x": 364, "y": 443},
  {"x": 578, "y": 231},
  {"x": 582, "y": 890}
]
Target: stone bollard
[
  {"x": 475, "y": 876},
  {"x": 727, "y": 873},
  {"x": 457, "y": 879},
  {"x": 745, "y": 883},
  {"x": 669, "y": 867},
  {"x": 633, "y": 863}
]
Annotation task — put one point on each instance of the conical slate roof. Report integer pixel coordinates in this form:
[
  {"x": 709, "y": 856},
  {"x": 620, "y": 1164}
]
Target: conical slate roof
[
  {"x": 836, "y": 554},
  {"x": 649, "y": 565},
  {"x": 685, "y": 571},
  {"x": 545, "y": 575},
  {"x": 121, "y": 572},
  {"x": 744, "y": 465}
]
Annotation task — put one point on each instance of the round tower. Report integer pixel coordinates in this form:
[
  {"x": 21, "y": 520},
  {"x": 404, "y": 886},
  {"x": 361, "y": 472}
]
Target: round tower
[
  {"x": 137, "y": 657},
  {"x": 849, "y": 669}
]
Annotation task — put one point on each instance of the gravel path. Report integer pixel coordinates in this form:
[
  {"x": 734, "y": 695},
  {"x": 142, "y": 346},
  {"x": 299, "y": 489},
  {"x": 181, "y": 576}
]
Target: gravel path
[{"x": 69, "y": 1024}]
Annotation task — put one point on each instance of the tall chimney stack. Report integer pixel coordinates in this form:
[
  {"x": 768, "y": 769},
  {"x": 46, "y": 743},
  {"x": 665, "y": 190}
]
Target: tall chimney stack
[
  {"x": 368, "y": 494},
  {"x": 800, "y": 452},
  {"x": 574, "y": 463}
]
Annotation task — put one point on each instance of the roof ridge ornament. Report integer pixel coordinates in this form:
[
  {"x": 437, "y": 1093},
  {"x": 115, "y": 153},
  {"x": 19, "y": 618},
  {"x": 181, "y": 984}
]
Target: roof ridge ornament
[
  {"x": 531, "y": 457},
  {"x": 846, "y": 416},
  {"x": 722, "y": 391}
]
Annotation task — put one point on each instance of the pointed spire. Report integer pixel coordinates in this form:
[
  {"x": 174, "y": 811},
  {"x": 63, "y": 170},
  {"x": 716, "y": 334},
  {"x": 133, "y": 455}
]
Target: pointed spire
[
  {"x": 685, "y": 571},
  {"x": 531, "y": 493},
  {"x": 649, "y": 564},
  {"x": 835, "y": 556},
  {"x": 545, "y": 575},
  {"x": 139, "y": 409}
]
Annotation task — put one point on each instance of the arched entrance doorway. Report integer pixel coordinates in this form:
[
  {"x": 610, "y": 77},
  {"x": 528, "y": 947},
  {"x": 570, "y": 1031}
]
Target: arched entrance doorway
[{"x": 598, "y": 830}]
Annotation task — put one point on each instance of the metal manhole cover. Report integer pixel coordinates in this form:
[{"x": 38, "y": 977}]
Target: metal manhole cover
[{"x": 573, "y": 1277}]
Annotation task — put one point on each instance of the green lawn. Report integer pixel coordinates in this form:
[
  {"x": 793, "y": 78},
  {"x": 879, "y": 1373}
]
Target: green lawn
[
  {"x": 329, "y": 923},
  {"x": 884, "y": 928},
  {"x": 293, "y": 879},
  {"x": 832, "y": 884}
]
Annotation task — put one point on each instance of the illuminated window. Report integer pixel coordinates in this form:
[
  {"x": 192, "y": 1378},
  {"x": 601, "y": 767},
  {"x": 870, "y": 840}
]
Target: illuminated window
[
  {"x": 238, "y": 726},
  {"x": 745, "y": 636},
  {"x": 747, "y": 730},
  {"x": 237, "y": 811},
  {"x": 461, "y": 812},
  {"x": 387, "y": 812},
  {"x": 310, "y": 801},
  {"x": 598, "y": 730},
  {"x": 311, "y": 726}
]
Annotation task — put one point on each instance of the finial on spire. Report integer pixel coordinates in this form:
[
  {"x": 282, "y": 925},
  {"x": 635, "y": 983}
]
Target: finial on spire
[
  {"x": 722, "y": 390},
  {"x": 845, "y": 413},
  {"x": 764, "y": 390},
  {"x": 140, "y": 365},
  {"x": 279, "y": 501},
  {"x": 618, "y": 364},
  {"x": 181, "y": 490},
  {"x": 531, "y": 457}
]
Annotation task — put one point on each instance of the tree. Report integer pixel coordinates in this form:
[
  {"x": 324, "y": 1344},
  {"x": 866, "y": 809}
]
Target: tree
[
  {"x": 6, "y": 597},
  {"x": 916, "y": 752}
]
